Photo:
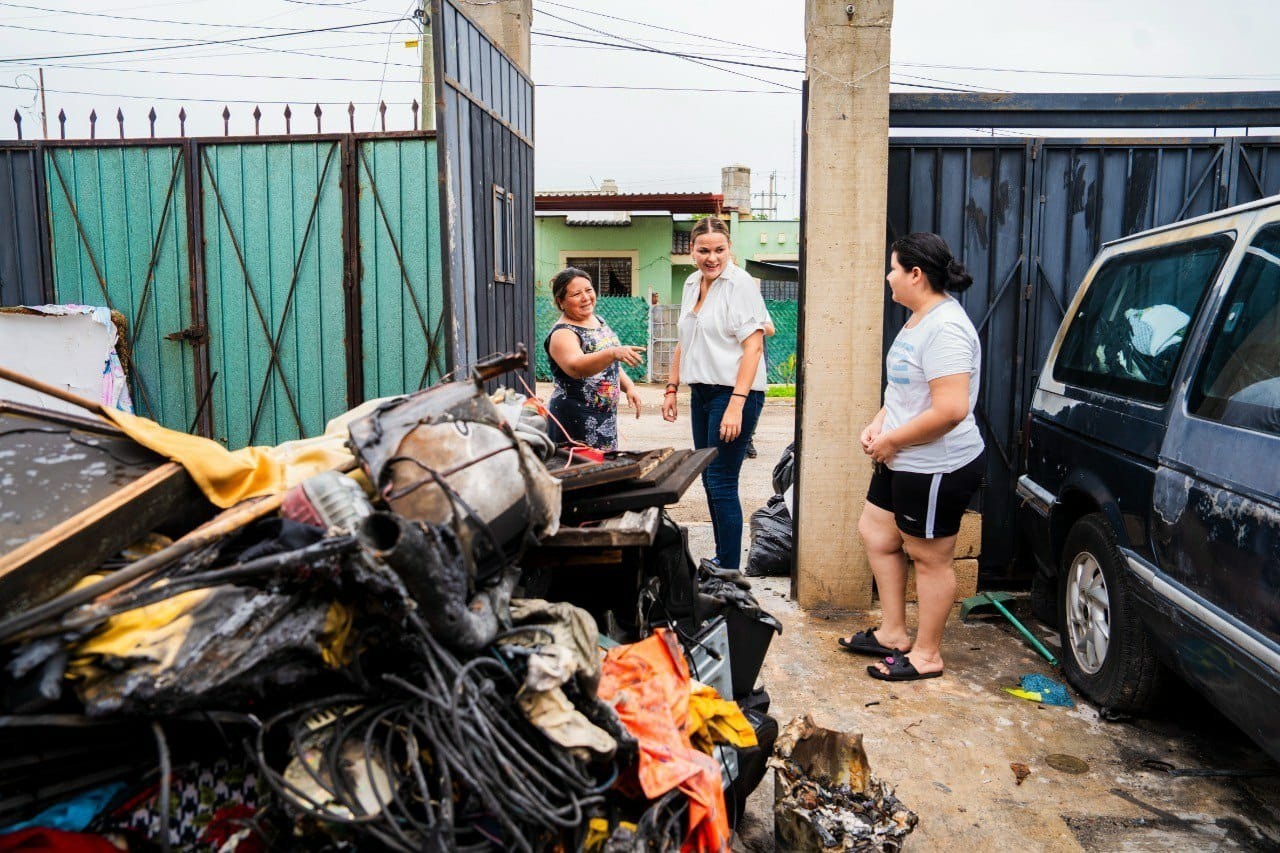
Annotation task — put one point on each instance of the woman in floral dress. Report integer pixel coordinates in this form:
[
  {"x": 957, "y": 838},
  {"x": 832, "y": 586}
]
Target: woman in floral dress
[{"x": 584, "y": 354}]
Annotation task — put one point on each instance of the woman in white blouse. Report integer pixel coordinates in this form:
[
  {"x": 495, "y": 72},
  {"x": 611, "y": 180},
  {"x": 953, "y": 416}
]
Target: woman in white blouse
[{"x": 720, "y": 355}]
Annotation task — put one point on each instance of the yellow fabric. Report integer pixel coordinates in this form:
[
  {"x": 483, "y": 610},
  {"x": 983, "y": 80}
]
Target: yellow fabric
[
  {"x": 598, "y": 832},
  {"x": 336, "y": 636},
  {"x": 154, "y": 633},
  {"x": 713, "y": 720},
  {"x": 229, "y": 476}
]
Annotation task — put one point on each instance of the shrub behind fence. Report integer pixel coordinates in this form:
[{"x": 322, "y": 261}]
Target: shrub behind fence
[{"x": 629, "y": 317}]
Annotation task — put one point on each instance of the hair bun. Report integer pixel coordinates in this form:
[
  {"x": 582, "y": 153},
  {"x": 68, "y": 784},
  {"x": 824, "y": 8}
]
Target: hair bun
[{"x": 958, "y": 278}]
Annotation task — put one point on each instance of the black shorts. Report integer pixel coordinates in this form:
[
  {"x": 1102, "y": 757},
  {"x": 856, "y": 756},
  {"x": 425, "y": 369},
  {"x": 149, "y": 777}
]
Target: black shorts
[{"x": 927, "y": 506}]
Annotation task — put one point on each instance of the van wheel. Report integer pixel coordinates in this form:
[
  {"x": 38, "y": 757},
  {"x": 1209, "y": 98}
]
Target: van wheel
[{"x": 1107, "y": 653}]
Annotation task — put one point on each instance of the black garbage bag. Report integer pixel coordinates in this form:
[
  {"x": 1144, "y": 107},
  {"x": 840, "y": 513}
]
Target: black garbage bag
[
  {"x": 770, "y": 540},
  {"x": 784, "y": 473}
]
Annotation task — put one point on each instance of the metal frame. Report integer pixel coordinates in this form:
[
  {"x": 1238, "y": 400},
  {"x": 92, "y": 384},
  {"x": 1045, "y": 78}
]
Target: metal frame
[{"x": 1084, "y": 109}]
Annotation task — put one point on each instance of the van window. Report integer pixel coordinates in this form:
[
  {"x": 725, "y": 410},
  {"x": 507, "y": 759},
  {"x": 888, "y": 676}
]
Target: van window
[
  {"x": 1128, "y": 333},
  {"x": 1239, "y": 379}
]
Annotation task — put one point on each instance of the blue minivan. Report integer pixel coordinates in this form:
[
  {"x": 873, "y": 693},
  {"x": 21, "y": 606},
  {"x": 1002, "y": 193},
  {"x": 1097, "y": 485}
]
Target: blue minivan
[{"x": 1150, "y": 493}]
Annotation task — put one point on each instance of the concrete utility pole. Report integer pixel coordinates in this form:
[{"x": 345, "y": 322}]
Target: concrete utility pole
[
  {"x": 847, "y": 58},
  {"x": 508, "y": 23},
  {"x": 427, "y": 43}
]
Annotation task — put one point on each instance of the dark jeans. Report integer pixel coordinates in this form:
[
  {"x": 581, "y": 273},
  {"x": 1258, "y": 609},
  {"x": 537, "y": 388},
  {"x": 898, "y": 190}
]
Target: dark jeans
[{"x": 720, "y": 479}]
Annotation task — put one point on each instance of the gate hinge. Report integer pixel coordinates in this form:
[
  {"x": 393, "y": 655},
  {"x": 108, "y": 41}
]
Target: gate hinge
[{"x": 194, "y": 334}]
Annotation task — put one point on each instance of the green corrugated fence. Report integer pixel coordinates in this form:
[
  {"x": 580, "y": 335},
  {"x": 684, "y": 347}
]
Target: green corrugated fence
[{"x": 629, "y": 317}]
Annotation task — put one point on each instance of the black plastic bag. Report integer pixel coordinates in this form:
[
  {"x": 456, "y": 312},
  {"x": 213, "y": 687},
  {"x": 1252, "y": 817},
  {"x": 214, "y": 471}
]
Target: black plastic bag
[
  {"x": 784, "y": 473},
  {"x": 770, "y": 540}
]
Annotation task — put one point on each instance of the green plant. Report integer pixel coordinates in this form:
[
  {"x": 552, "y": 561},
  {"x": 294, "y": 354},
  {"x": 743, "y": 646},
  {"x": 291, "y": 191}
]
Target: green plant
[{"x": 787, "y": 370}]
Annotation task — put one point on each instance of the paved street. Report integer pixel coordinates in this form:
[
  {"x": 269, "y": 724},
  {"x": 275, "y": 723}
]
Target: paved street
[{"x": 947, "y": 744}]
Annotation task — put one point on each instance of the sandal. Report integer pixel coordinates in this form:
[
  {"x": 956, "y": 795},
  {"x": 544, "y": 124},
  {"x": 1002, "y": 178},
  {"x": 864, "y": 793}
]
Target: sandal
[
  {"x": 865, "y": 643},
  {"x": 900, "y": 669}
]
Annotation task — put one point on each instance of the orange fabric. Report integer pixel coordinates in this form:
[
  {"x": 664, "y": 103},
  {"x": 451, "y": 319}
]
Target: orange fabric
[{"x": 648, "y": 685}]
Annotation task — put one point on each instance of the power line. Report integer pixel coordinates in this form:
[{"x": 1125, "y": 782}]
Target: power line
[
  {"x": 1145, "y": 75},
  {"x": 664, "y": 29},
  {"x": 637, "y": 46},
  {"x": 141, "y": 20},
  {"x": 299, "y": 101},
  {"x": 694, "y": 60},
  {"x": 200, "y": 43}
]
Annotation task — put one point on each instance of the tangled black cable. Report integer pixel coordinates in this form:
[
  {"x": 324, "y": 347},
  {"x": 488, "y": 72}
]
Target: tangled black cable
[{"x": 452, "y": 729}]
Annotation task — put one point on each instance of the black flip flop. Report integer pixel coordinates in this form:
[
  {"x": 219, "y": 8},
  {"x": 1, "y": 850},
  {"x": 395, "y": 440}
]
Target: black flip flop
[
  {"x": 865, "y": 643},
  {"x": 900, "y": 669}
]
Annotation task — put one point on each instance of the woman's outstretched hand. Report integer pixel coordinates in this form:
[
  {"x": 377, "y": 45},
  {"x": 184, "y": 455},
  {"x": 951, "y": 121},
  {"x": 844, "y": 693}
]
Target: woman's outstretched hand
[{"x": 630, "y": 356}]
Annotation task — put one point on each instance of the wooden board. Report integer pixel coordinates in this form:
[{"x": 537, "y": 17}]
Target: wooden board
[
  {"x": 669, "y": 491},
  {"x": 76, "y": 493},
  {"x": 630, "y": 529}
]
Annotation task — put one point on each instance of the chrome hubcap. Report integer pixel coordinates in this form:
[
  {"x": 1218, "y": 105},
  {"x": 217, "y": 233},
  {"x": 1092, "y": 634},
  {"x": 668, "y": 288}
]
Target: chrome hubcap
[{"x": 1088, "y": 613}]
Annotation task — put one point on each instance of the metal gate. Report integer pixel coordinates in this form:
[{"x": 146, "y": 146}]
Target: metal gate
[
  {"x": 24, "y": 256},
  {"x": 1027, "y": 219},
  {"x": 663, "y": 337},
  {"x": 118, "y": 231}
]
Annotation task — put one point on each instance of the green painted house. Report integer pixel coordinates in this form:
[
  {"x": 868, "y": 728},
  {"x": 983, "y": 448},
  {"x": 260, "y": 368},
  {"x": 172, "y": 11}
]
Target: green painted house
[{"x": 637, "y": 244}]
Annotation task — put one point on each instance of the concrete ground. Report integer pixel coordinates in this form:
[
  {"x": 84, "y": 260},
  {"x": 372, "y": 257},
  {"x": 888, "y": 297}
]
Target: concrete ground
[{"x": 947, "y": 744}]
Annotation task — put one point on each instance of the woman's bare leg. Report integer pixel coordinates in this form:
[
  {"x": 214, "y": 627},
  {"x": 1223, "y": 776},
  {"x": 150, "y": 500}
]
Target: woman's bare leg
[
  {"x": 883, "y": 541},
  {"x": 935, "y": 593}
]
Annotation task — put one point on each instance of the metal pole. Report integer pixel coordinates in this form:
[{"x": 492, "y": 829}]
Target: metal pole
[
  {"x": 428, "y": 72},
  {"x": 44, "y": 120}
]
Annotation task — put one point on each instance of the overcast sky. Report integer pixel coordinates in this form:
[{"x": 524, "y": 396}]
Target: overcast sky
[{"x": 670, "y": 123}]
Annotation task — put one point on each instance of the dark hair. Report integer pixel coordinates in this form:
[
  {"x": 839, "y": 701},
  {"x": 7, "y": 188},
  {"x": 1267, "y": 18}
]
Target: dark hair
[
  {"x": 933, "y": 256},
  {"x": 709, "y": 225},
  {"x": 560, "y": 282}
]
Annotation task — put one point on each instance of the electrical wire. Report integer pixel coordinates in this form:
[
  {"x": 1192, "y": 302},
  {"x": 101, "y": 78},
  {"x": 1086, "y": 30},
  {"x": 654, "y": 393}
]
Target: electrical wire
[
  {"x": 696, "y": 61},
  {"x": 239, "y": 40},
  {"x": 107, "y": 15},
  {"x": 702, "y": 38}
]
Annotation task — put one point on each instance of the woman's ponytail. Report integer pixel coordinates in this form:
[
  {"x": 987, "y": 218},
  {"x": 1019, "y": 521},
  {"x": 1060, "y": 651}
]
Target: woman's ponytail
[
  {"x": 933, "y": 256},
  {"x": 958, "y": 278}
]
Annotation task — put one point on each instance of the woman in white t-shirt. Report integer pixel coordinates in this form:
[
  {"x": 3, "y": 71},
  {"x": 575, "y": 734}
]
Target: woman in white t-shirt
[
  {"x": 929, "y": 458},
  {"x": 720, "y": 355}
]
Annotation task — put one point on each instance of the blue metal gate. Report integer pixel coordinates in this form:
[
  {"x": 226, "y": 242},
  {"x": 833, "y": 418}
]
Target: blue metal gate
[{"x": 1027, "y": 218}]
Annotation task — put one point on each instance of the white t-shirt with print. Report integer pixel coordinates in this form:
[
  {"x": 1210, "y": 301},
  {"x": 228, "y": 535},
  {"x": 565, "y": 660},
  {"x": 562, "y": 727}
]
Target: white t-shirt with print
[
  {"x": 943, "y": 343},
  {"x": 711, "y": 340}
]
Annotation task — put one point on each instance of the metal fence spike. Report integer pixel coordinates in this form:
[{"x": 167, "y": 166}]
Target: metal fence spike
[
  {"x": 120, "y": 120},
  {"x": 318, "y": 112},
  {"x": 415, "y": 113},
  {"x": 382, "y": 108},
  {"x": 351, "y": 114},
  {"x": 152, "y": 117},
  {"x": 17, "y": 119},
  {"x": 257, "y": 118},
  {"x": 288, "y": 116},
  {"x": 62, "y": 123},
  {"x": 226, "y": 120},
  {"x": 182, "y": 121},
  {"x": 93, "y": 124}
]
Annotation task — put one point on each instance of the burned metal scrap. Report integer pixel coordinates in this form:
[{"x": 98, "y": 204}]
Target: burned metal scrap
[
  {"x": 371, "y": 660},
  {"x": 826, "y": 798}
]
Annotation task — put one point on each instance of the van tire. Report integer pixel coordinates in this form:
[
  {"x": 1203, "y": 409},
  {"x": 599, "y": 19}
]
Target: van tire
[{"x": 1122, "y": 674}]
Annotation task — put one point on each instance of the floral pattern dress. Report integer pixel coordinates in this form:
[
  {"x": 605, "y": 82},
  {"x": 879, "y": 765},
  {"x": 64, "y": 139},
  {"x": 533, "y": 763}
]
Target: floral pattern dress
[{"x": 586, "y": 408}]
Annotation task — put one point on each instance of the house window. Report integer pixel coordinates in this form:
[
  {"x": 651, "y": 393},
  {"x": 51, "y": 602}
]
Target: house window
[
  {"x": 680, "y": 243},
  {"x": 504, "y": 235},
  {"x": 612, "y": 276}
]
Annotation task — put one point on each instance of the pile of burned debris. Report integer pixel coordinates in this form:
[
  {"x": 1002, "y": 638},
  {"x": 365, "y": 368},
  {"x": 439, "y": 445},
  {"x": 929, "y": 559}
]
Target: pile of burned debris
[{"x": 429, "y": 629}]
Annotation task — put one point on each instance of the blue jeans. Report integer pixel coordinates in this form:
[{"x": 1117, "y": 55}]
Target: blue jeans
[{"x": 720, "y": 479}]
